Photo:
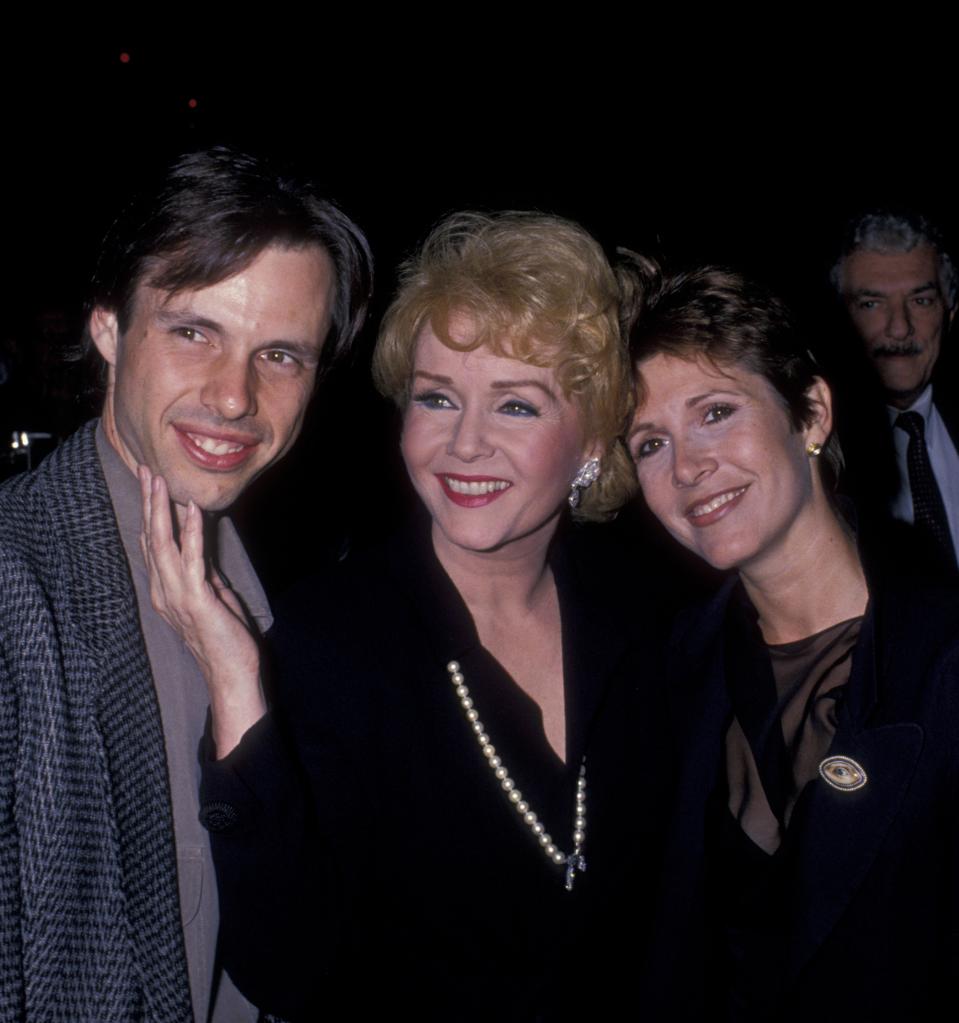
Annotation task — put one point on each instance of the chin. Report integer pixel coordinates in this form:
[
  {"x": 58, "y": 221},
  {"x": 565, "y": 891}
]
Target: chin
[
  {"x": 209, "y": 498},
  {"x": 722, "y": 558}
]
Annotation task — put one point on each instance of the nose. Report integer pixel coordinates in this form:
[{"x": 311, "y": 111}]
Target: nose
[
  {"x": 229, "y": 390},
  {"x": 469, "y": 441},
  {"x": 899, "y": 321},
  {"x": 692, "y": 463}
]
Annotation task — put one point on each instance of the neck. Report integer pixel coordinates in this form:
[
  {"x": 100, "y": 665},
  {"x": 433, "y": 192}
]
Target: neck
[
  {"x": 819, "y": 583},
  {"x": 109, "y": 423},
  {"x": 516, "y": 576}
]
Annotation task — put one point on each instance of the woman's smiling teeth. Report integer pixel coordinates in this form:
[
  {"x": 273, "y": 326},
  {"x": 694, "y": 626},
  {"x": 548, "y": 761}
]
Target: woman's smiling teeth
[
  {"x": 475, "y": 488},
  {"x": 213, "y": 446},
  {"x": 698, "y": 510}
]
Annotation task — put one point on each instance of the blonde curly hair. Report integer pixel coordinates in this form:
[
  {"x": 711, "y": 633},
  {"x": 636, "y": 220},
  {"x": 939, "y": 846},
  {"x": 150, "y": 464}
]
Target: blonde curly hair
[{"x": 535, "y": 288}]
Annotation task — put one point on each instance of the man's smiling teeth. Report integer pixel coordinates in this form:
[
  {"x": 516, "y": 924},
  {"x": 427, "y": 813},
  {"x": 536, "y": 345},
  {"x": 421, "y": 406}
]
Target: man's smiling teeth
[
  {"x": 716, "y": 502},
  {"x": 215, "y": 447},
  {"x": 474, "y": 488}
]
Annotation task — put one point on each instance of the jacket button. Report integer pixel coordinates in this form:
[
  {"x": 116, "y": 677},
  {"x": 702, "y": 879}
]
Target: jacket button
[{"x": 218, "y": 817}]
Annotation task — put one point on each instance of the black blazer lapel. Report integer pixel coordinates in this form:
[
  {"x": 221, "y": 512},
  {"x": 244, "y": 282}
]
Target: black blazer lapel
[
  {"x": 841, "y": 832},
  {"x": 596, "y": 635}
]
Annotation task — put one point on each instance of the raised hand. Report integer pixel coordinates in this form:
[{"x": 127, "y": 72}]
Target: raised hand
[{"x": 199, "y": 605}]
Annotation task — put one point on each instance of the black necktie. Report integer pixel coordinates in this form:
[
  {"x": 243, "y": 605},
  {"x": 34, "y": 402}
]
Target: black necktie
[{"x": 929, "y": 513}]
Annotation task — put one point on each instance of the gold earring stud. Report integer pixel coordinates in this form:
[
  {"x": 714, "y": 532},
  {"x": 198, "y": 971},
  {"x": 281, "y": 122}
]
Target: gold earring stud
[{"x": 813, "y": 449}]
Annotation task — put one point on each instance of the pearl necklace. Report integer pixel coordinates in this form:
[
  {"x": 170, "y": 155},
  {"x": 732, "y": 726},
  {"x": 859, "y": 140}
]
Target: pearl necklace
[{"x": 574, "y": 861}]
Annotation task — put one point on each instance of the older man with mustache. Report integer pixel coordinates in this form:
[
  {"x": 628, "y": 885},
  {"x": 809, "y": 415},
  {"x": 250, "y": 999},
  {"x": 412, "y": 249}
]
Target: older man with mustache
[{"x": 899, "y": 287}]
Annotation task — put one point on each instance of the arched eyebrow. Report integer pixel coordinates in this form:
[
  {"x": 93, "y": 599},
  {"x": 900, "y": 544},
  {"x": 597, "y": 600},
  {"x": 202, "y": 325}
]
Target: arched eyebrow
[
  {"x": 512, "y": 385},
  {"x": 496, "y": 385},
  {"x": 688, "y": 403}
]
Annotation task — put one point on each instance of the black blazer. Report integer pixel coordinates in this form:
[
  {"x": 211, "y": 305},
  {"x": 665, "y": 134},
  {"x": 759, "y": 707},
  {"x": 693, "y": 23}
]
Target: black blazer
[
  {"x": 875, "y": 903},
  {"x": 367, "y": 858}
]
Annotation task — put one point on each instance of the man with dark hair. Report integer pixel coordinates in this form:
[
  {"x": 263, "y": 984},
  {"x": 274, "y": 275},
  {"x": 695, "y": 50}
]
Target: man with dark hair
[
  {"x": 899, "y": 287},
  {"x": 218, "y": 298}
]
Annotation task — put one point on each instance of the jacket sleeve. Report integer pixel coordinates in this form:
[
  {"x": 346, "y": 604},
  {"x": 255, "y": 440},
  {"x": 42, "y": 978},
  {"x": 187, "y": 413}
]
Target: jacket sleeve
[
  {"x": 278, "y": 892},
  {"x": 11, "y": 952}
]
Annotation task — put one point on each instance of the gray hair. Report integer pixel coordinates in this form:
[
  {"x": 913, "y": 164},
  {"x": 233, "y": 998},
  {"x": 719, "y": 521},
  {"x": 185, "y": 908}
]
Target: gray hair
[{"x": 885, "y": 231}]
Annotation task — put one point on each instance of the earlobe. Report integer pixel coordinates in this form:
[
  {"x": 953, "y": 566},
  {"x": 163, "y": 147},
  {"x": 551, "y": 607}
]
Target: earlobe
[
  {"x": 105, "y": 333},
  {"x": 594, "y": 451},
  {"x": 819, "y": 397}
]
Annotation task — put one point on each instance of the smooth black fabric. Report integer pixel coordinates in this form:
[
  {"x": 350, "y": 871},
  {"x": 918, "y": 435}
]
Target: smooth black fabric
[
  {"x": 406, "y": 881},
  {"x": 872, "y": 905}
]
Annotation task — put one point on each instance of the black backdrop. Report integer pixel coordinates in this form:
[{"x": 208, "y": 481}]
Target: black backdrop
[{"x": 749, "y": 152}]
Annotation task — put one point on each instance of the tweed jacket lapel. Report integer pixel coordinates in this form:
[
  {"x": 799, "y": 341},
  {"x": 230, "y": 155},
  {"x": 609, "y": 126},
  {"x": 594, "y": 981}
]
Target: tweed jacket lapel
[{"x": 99, "y": 602}]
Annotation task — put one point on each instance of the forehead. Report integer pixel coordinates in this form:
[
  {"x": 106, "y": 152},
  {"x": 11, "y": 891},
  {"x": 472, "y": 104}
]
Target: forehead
[
  {"x": 280, "y": 282},
  {"x": 666, "y": 380},
  {"x": 482, "y": 362},
  {"x": 888, "y": 272}
]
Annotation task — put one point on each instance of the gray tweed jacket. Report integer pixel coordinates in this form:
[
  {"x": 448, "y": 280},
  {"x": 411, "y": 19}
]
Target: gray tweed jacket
[{"x": 89, "y": 911}]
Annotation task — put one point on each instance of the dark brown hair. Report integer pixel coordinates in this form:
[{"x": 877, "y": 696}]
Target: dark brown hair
[
  {"x": 209, "y": 216},
  {"x": 718, "y": 314}
]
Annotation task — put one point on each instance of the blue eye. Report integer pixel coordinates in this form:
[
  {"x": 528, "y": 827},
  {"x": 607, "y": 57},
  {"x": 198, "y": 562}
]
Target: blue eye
[
  {"x": 433, "y": 399},
  {"x": 515, "y": 407},
  {"x": 717, "y": 413}
]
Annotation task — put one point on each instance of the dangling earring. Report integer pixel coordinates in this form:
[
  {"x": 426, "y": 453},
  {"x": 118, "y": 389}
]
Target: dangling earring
[
  {"x": 813, "y": 449},
  {"x": 585, "y": 478}
]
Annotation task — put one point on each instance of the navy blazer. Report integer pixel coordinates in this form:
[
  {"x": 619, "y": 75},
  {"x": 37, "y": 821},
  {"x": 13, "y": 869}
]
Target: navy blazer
[{"x": 875, "y": 903}]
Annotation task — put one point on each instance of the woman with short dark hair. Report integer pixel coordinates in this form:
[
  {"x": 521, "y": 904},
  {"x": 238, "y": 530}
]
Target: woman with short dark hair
[{"x": 812, "y": 866}]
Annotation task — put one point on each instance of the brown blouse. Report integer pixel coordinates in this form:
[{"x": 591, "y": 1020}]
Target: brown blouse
[{"x": 807, "y": 675}]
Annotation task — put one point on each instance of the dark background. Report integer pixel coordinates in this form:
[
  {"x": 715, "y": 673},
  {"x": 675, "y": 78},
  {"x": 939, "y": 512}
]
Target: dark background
[{"x": 749, "y": 147}]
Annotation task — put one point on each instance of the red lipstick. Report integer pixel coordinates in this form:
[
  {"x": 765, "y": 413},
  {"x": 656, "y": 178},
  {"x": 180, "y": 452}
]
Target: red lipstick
[{"x": 472, "y": 491}]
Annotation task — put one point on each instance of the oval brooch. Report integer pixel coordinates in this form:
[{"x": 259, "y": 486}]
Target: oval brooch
[{"x": 842, "y": 773}]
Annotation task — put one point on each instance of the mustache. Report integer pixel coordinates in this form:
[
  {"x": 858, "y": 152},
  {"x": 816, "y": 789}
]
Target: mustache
[{"x": 892, "y": 351}]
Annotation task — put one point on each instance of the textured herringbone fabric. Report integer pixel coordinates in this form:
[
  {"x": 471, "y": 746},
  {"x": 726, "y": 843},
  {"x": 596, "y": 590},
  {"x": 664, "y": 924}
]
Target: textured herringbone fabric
[{"x": 89, "y": 912}]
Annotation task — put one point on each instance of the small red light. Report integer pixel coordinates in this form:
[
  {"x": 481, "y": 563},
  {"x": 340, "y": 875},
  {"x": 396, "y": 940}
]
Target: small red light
[
  {"x": 191, "y": 104},
  {"x": 124, "y": 58}
]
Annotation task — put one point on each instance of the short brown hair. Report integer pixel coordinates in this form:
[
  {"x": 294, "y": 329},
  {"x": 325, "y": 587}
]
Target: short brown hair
[
  {"x": 722, "y": 316},
  {"x": 537, "y": 288},
  {"x": 208, "y": 216}
]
